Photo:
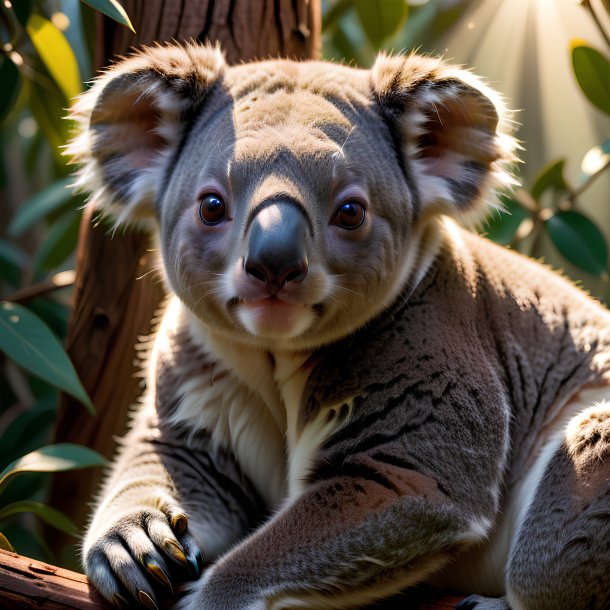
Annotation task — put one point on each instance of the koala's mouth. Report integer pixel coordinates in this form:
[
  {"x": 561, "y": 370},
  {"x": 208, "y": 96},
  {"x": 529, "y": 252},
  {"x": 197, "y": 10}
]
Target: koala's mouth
[{"x": 272, "y": 316}]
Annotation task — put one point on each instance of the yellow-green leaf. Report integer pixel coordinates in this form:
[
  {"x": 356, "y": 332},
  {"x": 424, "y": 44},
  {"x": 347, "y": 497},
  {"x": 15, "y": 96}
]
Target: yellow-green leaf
[
  {"x": 5, "y": 545},
  {"x": 112, "y": 9},
  {"x": 56, "y": 54}
]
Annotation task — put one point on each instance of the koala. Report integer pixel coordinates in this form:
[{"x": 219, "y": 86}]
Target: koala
[{"x": 349, "y": 392}]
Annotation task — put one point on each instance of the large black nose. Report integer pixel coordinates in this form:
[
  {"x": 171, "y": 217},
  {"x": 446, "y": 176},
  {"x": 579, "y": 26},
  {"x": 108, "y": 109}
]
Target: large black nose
[{"x": 277, "y": 245}]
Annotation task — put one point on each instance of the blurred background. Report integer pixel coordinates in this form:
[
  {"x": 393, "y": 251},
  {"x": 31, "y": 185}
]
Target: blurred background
[{"x": 549, "y": 58}]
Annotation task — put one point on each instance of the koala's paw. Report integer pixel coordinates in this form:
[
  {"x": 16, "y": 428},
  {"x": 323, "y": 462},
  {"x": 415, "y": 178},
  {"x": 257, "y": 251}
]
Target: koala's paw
[
  {"x": 143, "y": 554},
  {"x": 477, "y": 602}
]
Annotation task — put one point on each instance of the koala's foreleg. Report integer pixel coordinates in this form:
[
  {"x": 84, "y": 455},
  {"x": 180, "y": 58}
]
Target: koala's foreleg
[
  {"x": 345, "y": 542},
  {"x": 144, "y": 536}
]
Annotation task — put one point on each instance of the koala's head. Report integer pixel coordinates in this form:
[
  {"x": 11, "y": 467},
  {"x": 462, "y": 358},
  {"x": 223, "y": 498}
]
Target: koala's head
[{"x": 291, "y": 199}]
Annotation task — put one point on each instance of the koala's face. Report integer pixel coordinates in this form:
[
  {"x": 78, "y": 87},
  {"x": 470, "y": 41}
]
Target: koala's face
[
  {"x": 290, "y": 198},
  {"x": 286, "y": 217}
]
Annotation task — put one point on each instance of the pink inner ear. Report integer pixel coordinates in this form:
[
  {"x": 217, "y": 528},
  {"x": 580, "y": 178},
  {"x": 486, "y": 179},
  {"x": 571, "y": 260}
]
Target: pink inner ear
[
  {"x": 128, "y": 126},
  {"x": 458, "y": 129}
]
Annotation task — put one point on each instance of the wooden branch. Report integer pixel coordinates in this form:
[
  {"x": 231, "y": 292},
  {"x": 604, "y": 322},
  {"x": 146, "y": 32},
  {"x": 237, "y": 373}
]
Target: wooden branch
[{"x": 28, "y": 584}]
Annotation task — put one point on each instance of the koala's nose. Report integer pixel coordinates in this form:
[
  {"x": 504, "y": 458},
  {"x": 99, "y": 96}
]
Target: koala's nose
[{"x": 277, "y": 245}]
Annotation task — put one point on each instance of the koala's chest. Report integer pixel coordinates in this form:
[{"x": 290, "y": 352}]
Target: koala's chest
[{"x": 255, "y": 407}]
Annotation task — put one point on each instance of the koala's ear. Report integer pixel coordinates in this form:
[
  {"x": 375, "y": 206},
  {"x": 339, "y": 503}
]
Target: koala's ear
[
  {"x": 450, "y": 128},
  {"x": 131, "y": 121}
]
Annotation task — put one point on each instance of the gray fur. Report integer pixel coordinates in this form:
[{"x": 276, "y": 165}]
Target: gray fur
[{"x": 413, "y": 405}]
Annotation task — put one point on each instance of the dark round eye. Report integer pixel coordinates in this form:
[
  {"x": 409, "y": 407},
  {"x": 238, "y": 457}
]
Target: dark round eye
[
  {"x": 350, "y": 215},
  {"x": 212, "y": 209}
]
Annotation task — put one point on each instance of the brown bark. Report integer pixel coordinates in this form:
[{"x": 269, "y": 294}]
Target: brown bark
[
  {"x": 112, "y": 308},
  {"x": 27, "y": 584}
]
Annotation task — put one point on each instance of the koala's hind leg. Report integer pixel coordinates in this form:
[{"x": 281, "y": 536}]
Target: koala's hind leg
[{"x": 560, "y": 557}]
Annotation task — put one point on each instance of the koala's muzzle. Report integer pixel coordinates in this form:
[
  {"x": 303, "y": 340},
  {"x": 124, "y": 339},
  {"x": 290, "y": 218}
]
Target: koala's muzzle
[{"x": 277, "y": 245}]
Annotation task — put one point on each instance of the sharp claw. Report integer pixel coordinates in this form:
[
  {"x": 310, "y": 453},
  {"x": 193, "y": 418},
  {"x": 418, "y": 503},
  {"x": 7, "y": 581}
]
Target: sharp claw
[
  {"x": 179, "y": 523},
  {"x": 193, "y": 568},
  {"x": 195, "y": 563},
  {"x": 174, "y": 550},
  {"x": 147, "y": 600},
  {"x": 158, "y": 573}
]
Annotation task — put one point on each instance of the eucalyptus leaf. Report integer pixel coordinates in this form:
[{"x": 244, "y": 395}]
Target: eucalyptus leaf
[
  {"x": 112, "y": 9},
  {"x": 53, "y": 458},
  {"x": 56, "y": 54},
  {"x": 592, "y": 71},
  {"x": 550, "y": 178},
  {"x": 381, "y": 18},
  {"x": 501, "y": 225},
  {"x": 26, "y": 339},
  {"x": 48, "y": 514},
  {"x": 40, "y": 205},
  {"x": 579, "y": 240}
]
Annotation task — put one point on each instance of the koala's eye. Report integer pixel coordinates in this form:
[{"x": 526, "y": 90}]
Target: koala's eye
[
  {"x": 350, "y": 215},
  {"x": 212, "y": 209}
]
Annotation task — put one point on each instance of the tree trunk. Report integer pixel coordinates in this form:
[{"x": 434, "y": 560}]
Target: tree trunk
[{"x": 115, "y": 294}]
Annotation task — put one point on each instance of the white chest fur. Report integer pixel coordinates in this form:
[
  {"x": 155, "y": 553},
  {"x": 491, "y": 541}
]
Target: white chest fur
[{"x": 252, "y": 405}]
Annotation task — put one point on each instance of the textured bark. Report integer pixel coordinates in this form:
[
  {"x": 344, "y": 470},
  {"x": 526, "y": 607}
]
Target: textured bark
[
  {"x": 27, "y": 584},
  {"x": 112, "y": 308}
]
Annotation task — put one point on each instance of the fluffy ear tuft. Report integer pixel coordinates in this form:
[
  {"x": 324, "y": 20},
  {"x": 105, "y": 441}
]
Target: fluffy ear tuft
[
  {"x": 131, "y": 121},
  {"x": 452, "y": 130}
]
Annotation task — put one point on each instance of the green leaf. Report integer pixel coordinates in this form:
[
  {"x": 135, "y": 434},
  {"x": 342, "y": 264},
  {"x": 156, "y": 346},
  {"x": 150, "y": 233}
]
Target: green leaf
[
  {"x": 59, "y": 243},
  {"x": 38, "y": 206},
  {"x": 12, "y": 261},
  {"x": 596, "y": 159},
  {"x": 5, "y": 545},
  {"x": 112, "y": 9},
  {"x": 9, "y": 91},
  {"x": 579, "y": 241},
  {"x": 592, "y": 71},
  {"x": 381, "y": 18},
  {"x": 501, "y": 226},
  {"x": 551, "y": 177},
  {"x": 29, "y": 342},
  {"x": 46, "y": 513},
  {"x": 53, "y": 458},
  {"x": 56, "y": 54}
]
